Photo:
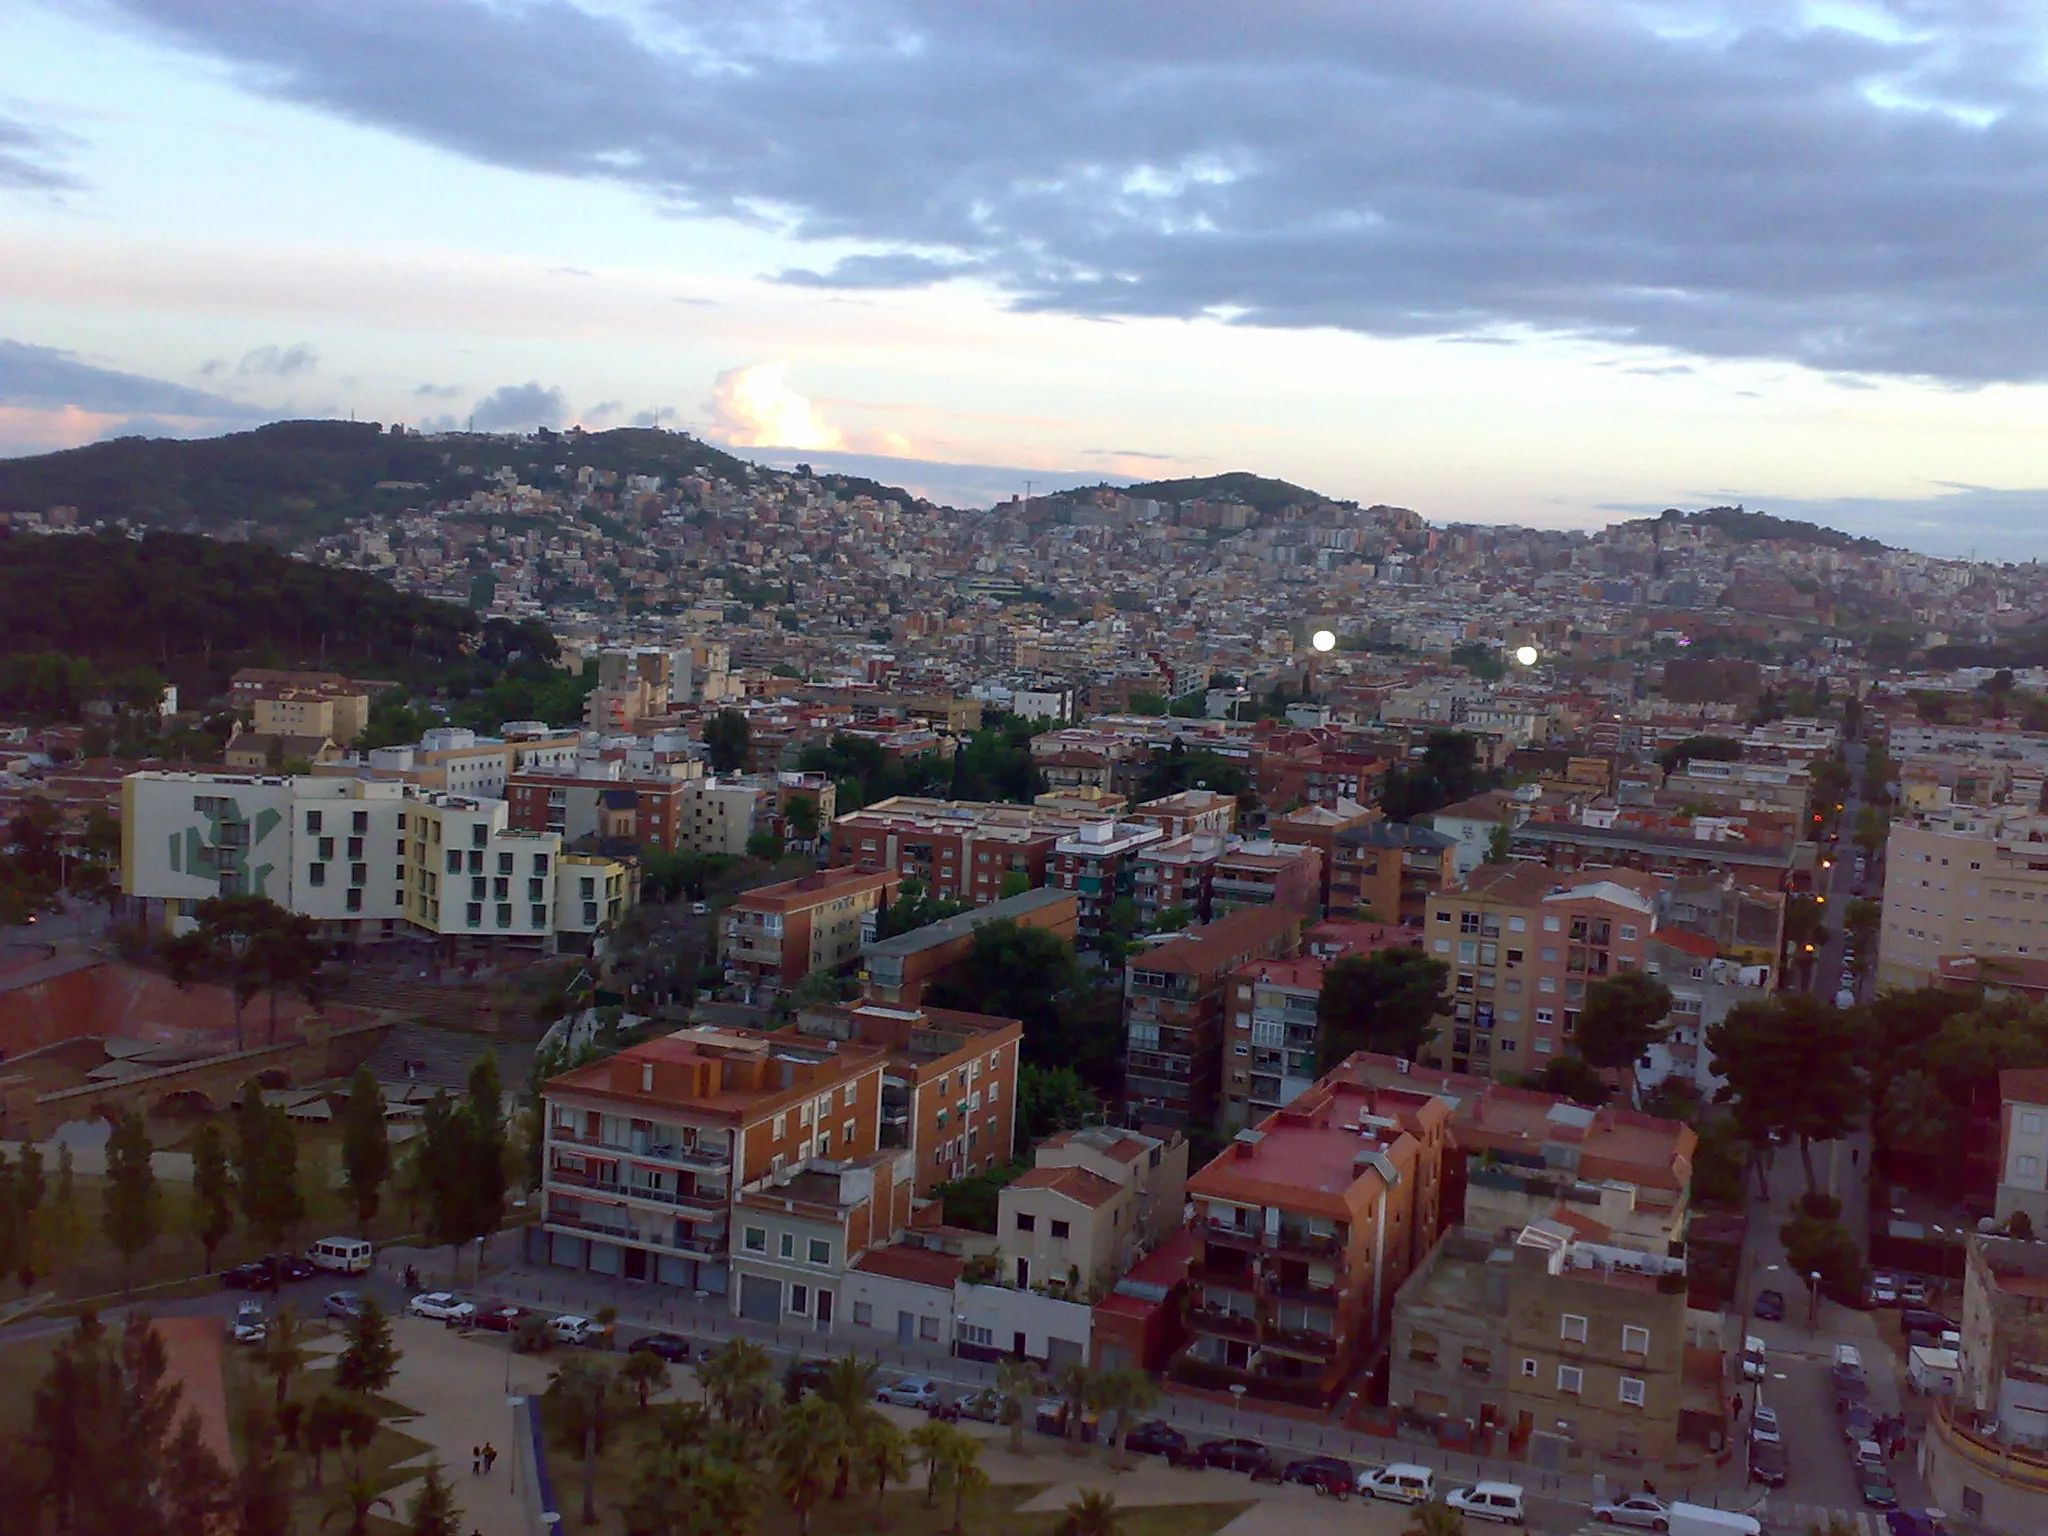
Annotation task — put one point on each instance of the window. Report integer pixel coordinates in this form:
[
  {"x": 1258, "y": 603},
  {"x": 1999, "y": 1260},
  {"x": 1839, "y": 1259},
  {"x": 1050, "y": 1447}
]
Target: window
[
  {"x": 820, "y": 1251},
  {"x": 847, "y": 1095},
  {"x": 788, "y": 1240},
  {"x": 540, "y": 917},
  {"x": 1518, "y": 925},
  {"x": 781, "y": 1127},
  {"x": 480, "y": 835},
  {"x": 2025, "y": 1167},
  {"x": 1059, "y": 1229},
  {"x": 312, "y": 821},
  {"x": 316, "y": 874},
  {"x": 504, "y": 914},
  {"x": 756, "y": 1240},
  {"x": 454, "y": 862},
  {"x": 2030, "y": 1122},
  {"x": 501, "y": 890},
  {"x": 1628, "y": 932},
  {"x": 359, "y": 874},
  {"x": 474, "y": 914},
  {"x": 974, "y": 1333},
  {"x": 1634, "y": 1340},
  {"x": 863, "y": 1314},
  {"x": 355, "y": 900},
  {"x": 1632, "y": 1391},
  {"x": 1528, "y": 1369},
  {"x": 1553, "y": 925},
  {"x": 504, "y": 863},
  {"x": 1572, "y": 1328},
  {"x": 927, "y": 1327},
  {"x": 540, "y": 863},
  {"x": 1026, "y": 1222},
  {"x": 1570, "y": 1378},
  {"x": 800, "y": 1300}
]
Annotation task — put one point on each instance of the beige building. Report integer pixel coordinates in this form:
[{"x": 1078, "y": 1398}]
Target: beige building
[
  {"x": 718, "y": 815},
  {"x": 340, "y": 717},
  {"x": 1562, "y": 1348},
  {"x": 1096, "y": 1202},
  {"x": 1962, "y": 882}
]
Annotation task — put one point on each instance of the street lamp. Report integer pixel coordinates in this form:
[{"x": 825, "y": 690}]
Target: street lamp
[
  {"x": 1527, "y": 655},
  {"x": 1236, "y": 1403},
  {"x": 1813, "y": 1306}
]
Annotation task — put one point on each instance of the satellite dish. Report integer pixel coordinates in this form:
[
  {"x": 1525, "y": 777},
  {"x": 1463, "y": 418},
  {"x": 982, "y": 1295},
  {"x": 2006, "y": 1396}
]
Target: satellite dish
[
  {"x": 1526, "y": 655},
  {"x": 1323, "y": 640}
]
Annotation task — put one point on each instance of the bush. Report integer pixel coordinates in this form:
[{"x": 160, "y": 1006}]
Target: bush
[{"x": 1819, "y": 1206}]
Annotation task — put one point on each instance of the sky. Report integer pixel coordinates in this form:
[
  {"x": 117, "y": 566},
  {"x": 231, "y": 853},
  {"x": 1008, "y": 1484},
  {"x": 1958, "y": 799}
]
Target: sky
[{"x": 1540, "y": 261}]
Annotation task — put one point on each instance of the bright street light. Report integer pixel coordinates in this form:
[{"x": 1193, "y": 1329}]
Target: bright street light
[
  {"x": 1526, "y": 655},
  {"x": 1323, "y": 640}
]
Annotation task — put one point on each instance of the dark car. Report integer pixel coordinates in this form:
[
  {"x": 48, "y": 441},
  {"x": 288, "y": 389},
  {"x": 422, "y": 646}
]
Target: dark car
[
  {"x": 246, "y": 1277},
  {"x": 804, "y": 1377},
  {"x": 289, "y": 1268},
  {"x": 1921, "y": 1320},
  {"x": 1234, "y": 1455},
  {"x": 1851, "y": 1394},
  {"x": 1156, "y": 1437},
  {"x": 1859, "y": 1424},
  {"x": 1325, "y": 1474},
  {"x": 500, "y": 1317},
  {"x": 1913, "y": 1522},
  {"x": 672, "y": 1347},
  {"x": 1767, "y": 1463},
  {"x": 1770, "y": 1306},
  {"x": 1876, "y": 1486}
]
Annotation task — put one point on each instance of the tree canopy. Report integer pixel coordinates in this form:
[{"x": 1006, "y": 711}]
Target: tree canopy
[
  {"x": 1793, "y": 1065},
  {"x": 1386, "y": 1002},
  {"x": 1624, "y": 1015}
]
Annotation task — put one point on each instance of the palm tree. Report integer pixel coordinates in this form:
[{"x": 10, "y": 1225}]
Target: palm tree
[
  {"x": 353, "y": 1501},
  {"x": 283, "y": 1343},
  {"x": 929, "y": 1440},
  {"x": 808, "y": 1445},
  {"x": 1125, "y": 1393},
  {"x": 849, "y": 1387},
  {"x": 1436, "y": 1518},
  {"x": 1078, "y": 1385},
  {"x": 645, "y": 1372},
  {"x": 884, "y": 1457},
  {"x": 1094, "y": 1513},
  {"x": 1017, "y": 1383},
  {"x": 964, "y": 1472},
  {"x": 739, "y": 1380},
  {"x": 589, "y": 1390},
  {"x": 325, "y": 1426}
]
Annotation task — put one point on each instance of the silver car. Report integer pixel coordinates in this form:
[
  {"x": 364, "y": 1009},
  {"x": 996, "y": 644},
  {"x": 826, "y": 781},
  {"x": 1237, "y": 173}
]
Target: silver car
[{"x": 1644, "y": 1511}]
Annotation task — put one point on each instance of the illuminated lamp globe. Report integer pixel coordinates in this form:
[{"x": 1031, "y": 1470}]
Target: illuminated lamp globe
[
  {"x": 1323, "y": 640},
  {"x": 1526, "y": 655}
]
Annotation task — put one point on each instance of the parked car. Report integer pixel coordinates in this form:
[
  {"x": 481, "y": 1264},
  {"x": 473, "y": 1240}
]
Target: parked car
[
  {"x": 1325, "y": 1474},
  {"x": 1845, "y": 996},
  {"x": 342, "y": 1304},
  {"x": 1754, "y": 1366},
  {"x": 1911, "y": 1522},
  {"x": 500, "y": 1317},
  {"x": 909, "y": 1392},
  {"x": 247, "y": 1277},
  {"x": 1052, "y": 1419},
  {"x": 1913, "y": 1290},
  {"x": 984, "y": 1405},
  {"x": 252, "y": 1323},
  {"x": 1859, "y": 1424},
  {"x": 1401, "y": 1482},
  {"x": 1489, "y": 1501},
  {"x": 1921, "y": 1320},
  {"x": 1156, "y": 1437},
  {"x": 441, "y": 1307},
  {"x": 573, "y": 1328},
  {"x": 699, "y": 908},
  {"x": 1884, "y": 1289},
  {"x": 1644, "y": 1511},
  {"x": 1763, "y": 1424},
  {"x": 288, "y": 1268},
  {"x": 1767, "y": 1463},
  {"x": 1770, "y": 1306},
  {"x": 672, "y": 1347},
  {"x": 343, "y": 1255},
  {"x": 803, "y": 1378},
  {"x": 1236, "y": 1455},
  {"x": 1875, "y": 1484}
]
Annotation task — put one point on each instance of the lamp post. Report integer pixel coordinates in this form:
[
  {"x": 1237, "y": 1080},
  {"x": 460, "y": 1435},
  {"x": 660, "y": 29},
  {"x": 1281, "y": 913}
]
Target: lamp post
[
  {"x": 1813, "y": 1303},
  {"x": 515, "y": 1404},
  {"x": 1236, "y": 1403}
]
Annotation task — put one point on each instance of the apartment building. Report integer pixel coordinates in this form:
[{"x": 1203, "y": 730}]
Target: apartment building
[
  {"x": 1094, "y": 1202},
  {"x": 900, "y": 970},
  {"x": 1390, "y": 868},
  {"x": 648, "y": 1152},
  {"x": 602, "y": 800},
  {"x": 1098, "y": 862},
  {"x": 949, "y": 1091},
  {"x": 1177, "y": 874},
  {"x": 301, "y": 703},
  {"x": 1962, "y": 883},
  {"x": 631, "y": 685},
  {"x": 776, "y": 935},
  {"x": 1763, "y": 848},
  {"x": 1308, "y": 1226},
  {"x": 1264, "y": 873},
  {"x": 1174, "y": 998},
  {"x": 962, "y": 850},
  {"x": 2023, "y": 1146},
  {"x": 1192, "y": 810},
  {"x": 800, "y": 1231},
  {"x": 1318, "y": 826},
  {"x": 1523, "y": 944},
  {"x": 462, "y": 762},
  {"x": 1985, "y": 1454},
  {"x": 366, "y": 859},
  {"x": 1551, "y": 1345},
  {"x": 1704, "y": 985},
  {"x": 1474, "y": 824}
]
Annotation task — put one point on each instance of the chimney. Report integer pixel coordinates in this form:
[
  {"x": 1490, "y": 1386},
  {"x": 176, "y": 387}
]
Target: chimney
[{"x": 647, "y": 1077}]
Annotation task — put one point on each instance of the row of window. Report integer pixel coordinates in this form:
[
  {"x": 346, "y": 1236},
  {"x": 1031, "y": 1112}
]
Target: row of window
[
  {"x": 818, "y": 1250},
  {"x": 1635, "y": 1339},
  {"x": 1026, "y": 1222},
  {"x": 359, "y": 821}
]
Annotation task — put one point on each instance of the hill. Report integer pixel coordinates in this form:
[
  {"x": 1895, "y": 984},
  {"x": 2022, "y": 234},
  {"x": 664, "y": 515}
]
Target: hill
[
  {"x": 195, "y": 608},
  {"x": 1751, "y": 527},
  {"x": 295, "y": 480},
  {"x": 1267, "y": 495}
]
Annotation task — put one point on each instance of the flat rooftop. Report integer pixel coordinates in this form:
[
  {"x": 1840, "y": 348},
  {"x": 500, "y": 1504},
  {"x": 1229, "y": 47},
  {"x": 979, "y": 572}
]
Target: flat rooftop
[{"x": 946, "y": 930}]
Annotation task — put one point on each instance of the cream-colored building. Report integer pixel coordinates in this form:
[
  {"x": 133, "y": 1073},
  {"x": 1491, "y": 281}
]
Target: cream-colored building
[
  {"x": 1962, "y": 881},
  {"x": 341, "y": 717},
  {"x": 1096, "y": 1202},
  {"x": 718, "y": 815}
]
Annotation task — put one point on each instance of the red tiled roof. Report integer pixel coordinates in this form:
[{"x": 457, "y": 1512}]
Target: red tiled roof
[
  {"x": 1077, "y": 1184},
  {"x": 919, "y": 1266}
]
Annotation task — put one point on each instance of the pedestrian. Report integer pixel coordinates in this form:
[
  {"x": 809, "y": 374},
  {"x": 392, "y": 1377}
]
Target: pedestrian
[
  {"x": 1855, "y": 1156},
  {"x": 476, "y": 1461},
  {"x": 490, "y": 1457}
]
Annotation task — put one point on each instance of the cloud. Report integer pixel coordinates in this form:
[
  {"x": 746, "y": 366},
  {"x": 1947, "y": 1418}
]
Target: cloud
[
  {"x": 439, "y": 391},
  {"x": 754, "y": 407},
  {"x": 44, "y": 378},
  {"x": 659, "y": 416},
  {"x": 520, "y": 408},
  {"x": 26, "y": 156},
  {"x": 570, "y": 272},
  {"x": 280, "y": 362},
  {"x": 602, "y": 413},
  {"x": 1758, "y": 179}
]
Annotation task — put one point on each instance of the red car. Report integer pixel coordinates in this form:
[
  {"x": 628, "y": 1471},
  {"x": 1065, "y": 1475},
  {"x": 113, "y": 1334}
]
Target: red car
[{"x": 499, "y": 1317}]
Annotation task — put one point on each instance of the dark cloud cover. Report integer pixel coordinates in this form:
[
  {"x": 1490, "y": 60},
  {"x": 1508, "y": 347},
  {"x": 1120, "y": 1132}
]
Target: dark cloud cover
[
  {"x": 44, "y": 378},
  {"x": 1724, "y": 178},
  {"x": 520, "y": 408}
]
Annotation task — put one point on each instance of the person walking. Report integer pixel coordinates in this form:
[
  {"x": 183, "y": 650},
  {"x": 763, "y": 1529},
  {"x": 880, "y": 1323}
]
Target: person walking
[
  {"x": 476, "y": 1461},
  {"x": 490, "y": 1457}
]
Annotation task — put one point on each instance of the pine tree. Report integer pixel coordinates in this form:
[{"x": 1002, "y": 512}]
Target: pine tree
[
  {"x": 29, "y": 1189},
  {"x": 483, "y": 1159},
  {"x": 130, "y": 1212},
  {"x": 365, "y": 1145},
  {"x": 213, "y": 1213},
  {"x": 267, "y": 1167},
  {"x": 433, "y": 1511},
  {"x": 370, "y": 1359}
]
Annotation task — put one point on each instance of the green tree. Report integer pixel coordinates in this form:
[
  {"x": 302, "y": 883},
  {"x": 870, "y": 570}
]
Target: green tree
[
  {"x": 1499, "y": 842},
  {"x": 1573, "y": 1077},
  {"x": 849, "y": 1389},
  {"x": 739, "y": 1381},
  {"x": 1436, "y": 1518},
  {"x": 236, "y": 939},
  {"x": 765, "y": 846},
  {"x": 1051, "y": 1099},
  {"x": 284, "y": 1350},
  {"x": 590, "y": 1396},
  {"x": 806, "y": 1451},
  {"x": 212, "y": 1214},
  {"x": 129, "y": 1210},
  {"x": 1012, "y": 972},
  {"x": 1385, "y": 1002},
  {"x": 800, "y": 813},
  {"x": 646, "y": 1373},
  {"x": 1818, "y": 1245},
  {"x": 1447, "y": 772},
  {"x": 365, "y": 1145},
  {"x": 1712, "y": 749},
  {"x": 25, "y": 1200},
  {"x": 884, "y": 1458},
  {"x": 369, "y": 1359},
  {"x": 727, "y": 737},
  {"x": 267, "y": 1166},
  {"x": 914, "y": 908},
  {"x": 1624, "y": 1015},
  {"x": 1018, "y": 1383},
  {"x": 1793, "y": 1065},
  {"x": 483, "y": 1142},
  {"x": 1873, "y": 829},
  {"x": 1093, "y": 1513},
  {"x": 1126, "y": 1394},
  {"x": 433, "y": 1510}
]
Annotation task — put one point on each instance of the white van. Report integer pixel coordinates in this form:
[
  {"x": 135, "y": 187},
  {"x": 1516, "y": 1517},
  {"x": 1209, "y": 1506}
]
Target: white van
[
  {"x": 1702, "y": 1520},
  {"x": 1489, "y": 1501},
  {"x": 1848, "y": 1358},
  {"x": 343, "y": 1255},
  {"x": 1402, "y": 1483}
]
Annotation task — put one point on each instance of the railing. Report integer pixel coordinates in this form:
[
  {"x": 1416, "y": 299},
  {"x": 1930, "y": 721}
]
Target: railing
[
  {"x": 1234, "y": 1325},
  {"x": 1301, "y": 1341},
  {"x": 2008, "y": 1463},
  {"x": 1232, "y": 1237},
  {"x": 1303, "y": 1291},
  {"x": 697, "y": 1200},
  {"x": 682, "y": 1157},
  {"x": 1307, "y": 1242}
]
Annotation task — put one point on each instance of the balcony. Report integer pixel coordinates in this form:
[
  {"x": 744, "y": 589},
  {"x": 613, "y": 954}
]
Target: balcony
[
  {"x": 698, "y": 1159},
  {"x": 1229, "y": 1325},
  {"x": 1300, "y": 1341},
  {"x": 1246, "y": 1238},
  {"x": 1301, "y": 1290},
  {"x": 1297, "y": 1240},
  {"x": 1214, "y": 1268}
]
